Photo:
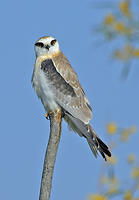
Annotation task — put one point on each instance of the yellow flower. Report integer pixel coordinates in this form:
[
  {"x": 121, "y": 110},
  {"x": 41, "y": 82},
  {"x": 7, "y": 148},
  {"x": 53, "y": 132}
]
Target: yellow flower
[
  {"x": 126, "y": 132},
  {"x": 112, "y": 160},
  {"x": 124, "y": 7},
  {"x": 131, "y": 158},
  {"x": 128, "y": 195},
  {"x": 125, "y": 53},
  {"x": 135, "y": 173},
  {"x": 136, "y": 53},
  {"x": 97, "y": 197},
  {"x": 124, "y": 135},
  {"x": 120, "y": 27},
  {"x": 109, "y": 19},
  {"x": 111, "y": 128}
]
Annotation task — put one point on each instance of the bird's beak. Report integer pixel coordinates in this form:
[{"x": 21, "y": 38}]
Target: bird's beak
[{"x": 47, "y": 46}]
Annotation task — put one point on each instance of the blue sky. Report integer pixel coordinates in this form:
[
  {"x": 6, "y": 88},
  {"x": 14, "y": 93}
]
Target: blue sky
[{"x": 24, "y": 130}]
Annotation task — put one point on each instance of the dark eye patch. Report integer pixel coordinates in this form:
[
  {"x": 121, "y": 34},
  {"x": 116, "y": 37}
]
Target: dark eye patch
[
  {"x": 39, "y": 44},
  {"x": 53, "y": 42}
]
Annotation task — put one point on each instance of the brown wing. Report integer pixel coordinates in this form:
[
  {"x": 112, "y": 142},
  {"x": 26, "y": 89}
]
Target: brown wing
[
  {"x": 66, "y": 87},
  {"x": 79, "y": 103}
]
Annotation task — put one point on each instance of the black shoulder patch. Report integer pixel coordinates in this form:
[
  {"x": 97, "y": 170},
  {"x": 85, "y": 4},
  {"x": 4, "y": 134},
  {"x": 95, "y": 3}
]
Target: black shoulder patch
[
  {"x": 46, "y": 63},
  {"x": 57, "y": 81}
]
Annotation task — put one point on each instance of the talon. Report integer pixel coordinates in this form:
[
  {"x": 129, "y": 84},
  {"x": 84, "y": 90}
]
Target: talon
[{"x": 47, "y": 115}]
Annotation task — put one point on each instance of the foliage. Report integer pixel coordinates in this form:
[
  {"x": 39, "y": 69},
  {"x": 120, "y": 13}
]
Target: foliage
[
  {"x": 110, "y": 185},
  {"x": 122, "y": 25}
]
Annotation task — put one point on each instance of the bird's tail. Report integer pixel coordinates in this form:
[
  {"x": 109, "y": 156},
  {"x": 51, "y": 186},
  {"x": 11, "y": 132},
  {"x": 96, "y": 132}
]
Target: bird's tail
[
  {"x": 96, "y": 144},
  {"x": 88, "y": 132}
]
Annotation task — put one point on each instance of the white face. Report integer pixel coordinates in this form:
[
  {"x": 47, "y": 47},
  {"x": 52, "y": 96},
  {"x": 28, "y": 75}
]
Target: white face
[{"x": 46, "y": 45}]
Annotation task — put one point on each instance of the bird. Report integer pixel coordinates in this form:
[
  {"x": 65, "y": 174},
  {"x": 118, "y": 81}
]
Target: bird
[{"x": 58, "y": 87}]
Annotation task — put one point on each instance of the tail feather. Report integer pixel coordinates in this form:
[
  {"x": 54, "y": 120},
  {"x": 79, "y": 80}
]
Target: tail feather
[
  {"x": 104, "y": 147},
  {"x": 93, "y": 148},
  {"x": 86, "y": 130},
  {"x": 100, "y": 145}
]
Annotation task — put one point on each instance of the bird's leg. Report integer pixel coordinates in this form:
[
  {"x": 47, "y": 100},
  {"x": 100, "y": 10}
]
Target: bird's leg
[
  {"x": 57, "y": 113},
  {"x": 47, "y": 115}
]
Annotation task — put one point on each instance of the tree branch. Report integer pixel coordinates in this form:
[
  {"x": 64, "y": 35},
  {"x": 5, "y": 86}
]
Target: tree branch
[{"x": 50, "y": 156}]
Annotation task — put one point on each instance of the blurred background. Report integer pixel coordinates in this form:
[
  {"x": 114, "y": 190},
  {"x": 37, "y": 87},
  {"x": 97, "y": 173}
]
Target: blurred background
[{"x": 101, "y": 40}]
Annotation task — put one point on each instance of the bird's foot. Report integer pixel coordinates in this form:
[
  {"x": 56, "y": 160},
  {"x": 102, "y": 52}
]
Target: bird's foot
[
  {"x": 47, "y": 115},
  {"x": 57, "y": 113}
]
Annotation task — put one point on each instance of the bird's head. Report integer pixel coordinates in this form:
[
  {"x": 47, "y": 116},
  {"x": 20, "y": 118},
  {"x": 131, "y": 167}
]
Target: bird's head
[{"x": 46, "y": 45}]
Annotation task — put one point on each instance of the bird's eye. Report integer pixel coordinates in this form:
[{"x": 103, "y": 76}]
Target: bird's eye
[
  {"x": 39, "y": 44},
  {"x": 53, "y": 42}
]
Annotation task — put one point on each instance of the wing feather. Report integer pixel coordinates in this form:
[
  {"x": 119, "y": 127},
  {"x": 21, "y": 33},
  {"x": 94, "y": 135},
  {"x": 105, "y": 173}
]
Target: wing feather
[{"x": 66, "y": 87}]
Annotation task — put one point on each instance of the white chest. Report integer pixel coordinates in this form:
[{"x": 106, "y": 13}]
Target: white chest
[{"x": 43, "y": 89}]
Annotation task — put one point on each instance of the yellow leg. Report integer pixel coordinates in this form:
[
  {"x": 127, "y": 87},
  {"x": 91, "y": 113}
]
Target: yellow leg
[
  {"x": 58, "y": 115},
  {"x": 47, "y": 114}
]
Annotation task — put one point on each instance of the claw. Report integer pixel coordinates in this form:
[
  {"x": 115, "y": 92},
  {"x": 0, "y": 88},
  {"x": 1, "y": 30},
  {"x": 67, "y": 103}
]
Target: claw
[
  {"x": 58, "y": 115},
  {"x": 47, "y": 116}
]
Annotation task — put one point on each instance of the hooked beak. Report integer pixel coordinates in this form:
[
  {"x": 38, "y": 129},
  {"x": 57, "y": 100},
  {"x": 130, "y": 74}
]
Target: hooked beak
[{"x": 47, "y": 47}]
